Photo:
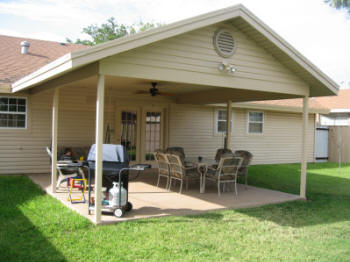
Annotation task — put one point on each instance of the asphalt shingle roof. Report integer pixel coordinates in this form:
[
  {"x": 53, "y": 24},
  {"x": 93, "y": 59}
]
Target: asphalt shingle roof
[{"x": 14, "y": 65}]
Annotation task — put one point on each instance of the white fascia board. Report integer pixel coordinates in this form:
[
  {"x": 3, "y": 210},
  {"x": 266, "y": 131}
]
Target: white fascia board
[
  {"x": 56, "y": 67},
  {"x": 289, "y": 49},
  {"x": 340, "y": 110}
]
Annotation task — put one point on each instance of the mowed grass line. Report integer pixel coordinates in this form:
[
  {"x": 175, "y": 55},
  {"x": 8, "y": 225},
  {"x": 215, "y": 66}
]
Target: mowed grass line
[{"x": 36, "y": 227}]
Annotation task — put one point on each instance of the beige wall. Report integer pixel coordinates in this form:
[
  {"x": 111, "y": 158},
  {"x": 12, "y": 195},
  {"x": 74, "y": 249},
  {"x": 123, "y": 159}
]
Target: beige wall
[
  {"x": 193, "y": 127},
  {"x": 338, "y": 146},
  {"x": 191, "y": 58}
]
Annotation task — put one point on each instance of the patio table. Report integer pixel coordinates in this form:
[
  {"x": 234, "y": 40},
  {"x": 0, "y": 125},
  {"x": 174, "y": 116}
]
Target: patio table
[{"x": 201, "y": 163}]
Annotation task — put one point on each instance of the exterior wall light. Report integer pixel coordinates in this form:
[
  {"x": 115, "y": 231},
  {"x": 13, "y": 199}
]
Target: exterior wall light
[{"x": 226, "y": 67}]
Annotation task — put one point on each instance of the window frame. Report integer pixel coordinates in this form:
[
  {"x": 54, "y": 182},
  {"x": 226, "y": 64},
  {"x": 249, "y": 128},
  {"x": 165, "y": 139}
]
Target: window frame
[
  {"x": 216, "y": 119},
  {"x": 17, "y": 113},
  {"x": 256, "y": 122}
]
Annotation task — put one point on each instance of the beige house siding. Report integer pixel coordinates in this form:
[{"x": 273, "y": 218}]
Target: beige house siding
[
  {"x": 194, "y": 129},
  {"x": 23, "y": 151},
  {"x": 192, "y": 58}
]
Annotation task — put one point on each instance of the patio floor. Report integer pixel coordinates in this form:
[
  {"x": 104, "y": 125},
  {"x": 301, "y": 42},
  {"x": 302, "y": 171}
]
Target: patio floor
[{"x": 151, "y": 201}]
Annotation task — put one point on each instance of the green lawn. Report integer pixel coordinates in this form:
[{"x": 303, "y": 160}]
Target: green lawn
[{"x": 36, "y": 227}]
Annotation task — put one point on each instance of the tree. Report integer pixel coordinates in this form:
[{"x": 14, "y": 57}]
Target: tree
[
  {"x": 111, "y": 30},
  {"x": 339, "y": 4}
]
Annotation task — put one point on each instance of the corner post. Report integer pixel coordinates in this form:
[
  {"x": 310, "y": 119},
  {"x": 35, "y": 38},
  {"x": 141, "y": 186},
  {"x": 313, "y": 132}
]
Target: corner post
[
  {"x": 304, "y": 147},
  {"x": 228, "y": 124},
  {"x": 55, "y": 103},
  {"x": 99, "y": 143}
]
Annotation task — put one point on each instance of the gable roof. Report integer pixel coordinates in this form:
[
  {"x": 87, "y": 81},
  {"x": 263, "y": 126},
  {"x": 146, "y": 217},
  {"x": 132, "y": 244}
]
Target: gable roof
[
  {"x": 336, "y": 103},
  {"x": 15, "y": 65},
  {"x": 320, "y": 84}
]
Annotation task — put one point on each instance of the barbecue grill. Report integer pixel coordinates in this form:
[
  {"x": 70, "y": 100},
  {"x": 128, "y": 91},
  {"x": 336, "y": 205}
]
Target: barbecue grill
[{"x": 115, "y": 167}]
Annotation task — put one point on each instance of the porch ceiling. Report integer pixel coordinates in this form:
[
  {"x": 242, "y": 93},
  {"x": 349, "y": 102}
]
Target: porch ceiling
[{"x": 183, "y": 93}]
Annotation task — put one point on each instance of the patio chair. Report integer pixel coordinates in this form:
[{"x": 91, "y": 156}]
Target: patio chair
[
  {"x": 163, "y": 167},
  {"x": 243, "y": 170},
  {"x": 180, "y": 152},
  {"x": 220, "y": 152},
  {"x": 64, "y": 172},
  {"x": 176, "y": 150},
  {"x": 226, "y": 172},
  {"x": 179, "y": 172}
]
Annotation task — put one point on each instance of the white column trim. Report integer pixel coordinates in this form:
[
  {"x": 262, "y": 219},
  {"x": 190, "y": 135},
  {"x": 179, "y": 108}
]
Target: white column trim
[
  {"x": 55, "y": 103},
  {"x": 304, "y": 147},
  {"x": 99, "y": 143}
]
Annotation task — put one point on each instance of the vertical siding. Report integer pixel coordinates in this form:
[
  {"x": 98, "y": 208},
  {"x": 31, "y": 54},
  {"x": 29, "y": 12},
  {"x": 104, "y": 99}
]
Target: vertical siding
[
  {"x": 193, "y": 128},
  {"x": 338, "y": 146}
]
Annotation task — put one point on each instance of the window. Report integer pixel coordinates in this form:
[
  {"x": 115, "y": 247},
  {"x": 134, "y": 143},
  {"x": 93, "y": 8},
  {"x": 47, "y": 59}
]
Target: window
[
  {"x": 13, "y": 112},
  {"x": 255, "y": 122},
  {"x": 221, "y": 120}
]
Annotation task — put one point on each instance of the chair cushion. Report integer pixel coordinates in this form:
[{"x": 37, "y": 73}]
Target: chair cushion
[{"x": 192, "y": 172}]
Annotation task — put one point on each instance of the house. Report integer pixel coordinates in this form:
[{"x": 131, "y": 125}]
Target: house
[
  {"x": 336, "y": 126},
  {"x": 168, "y": 86}
]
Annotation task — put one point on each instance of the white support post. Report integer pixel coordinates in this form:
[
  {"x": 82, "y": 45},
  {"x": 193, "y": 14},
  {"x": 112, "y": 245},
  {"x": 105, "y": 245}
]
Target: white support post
[
  {"x": 54, "y": 140},
  {"x": 99, "y": 143},
  {"x": 304, "y": 148},
  {"x": 228, "y": 124}
]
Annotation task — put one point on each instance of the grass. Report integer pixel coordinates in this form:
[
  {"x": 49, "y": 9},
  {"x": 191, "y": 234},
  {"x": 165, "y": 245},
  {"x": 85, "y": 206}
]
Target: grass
[{"x": 36, "y": 227}]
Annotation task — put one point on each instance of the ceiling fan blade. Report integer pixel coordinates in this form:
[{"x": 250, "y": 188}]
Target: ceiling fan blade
[
  {"x": 141, "y": 92},
  {"x": 166, "y": 94}
]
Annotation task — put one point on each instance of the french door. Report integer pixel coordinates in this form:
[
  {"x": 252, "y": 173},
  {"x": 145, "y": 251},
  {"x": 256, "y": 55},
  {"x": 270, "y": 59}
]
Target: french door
[
  {"x": 153, "y": 132},
  {"x": 141, "y": 131},
  {"x": 128, "y": 131}
]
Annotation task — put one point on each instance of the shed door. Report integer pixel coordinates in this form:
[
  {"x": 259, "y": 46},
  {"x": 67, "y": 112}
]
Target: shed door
[{"x": 322, "y": 144}]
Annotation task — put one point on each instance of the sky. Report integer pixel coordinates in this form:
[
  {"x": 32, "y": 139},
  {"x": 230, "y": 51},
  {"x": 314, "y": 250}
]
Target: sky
[{"x": 319, "y": 32}]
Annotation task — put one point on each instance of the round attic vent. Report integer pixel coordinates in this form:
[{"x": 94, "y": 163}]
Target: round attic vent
[{"x": 224, "y": 43}]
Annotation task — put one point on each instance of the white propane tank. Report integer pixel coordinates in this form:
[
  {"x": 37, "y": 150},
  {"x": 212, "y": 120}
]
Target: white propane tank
[{"x": 114, "y": 195}]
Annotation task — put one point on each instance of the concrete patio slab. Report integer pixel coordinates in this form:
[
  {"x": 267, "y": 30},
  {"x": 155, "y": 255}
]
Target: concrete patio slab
[{"x": 151, "y": 201}]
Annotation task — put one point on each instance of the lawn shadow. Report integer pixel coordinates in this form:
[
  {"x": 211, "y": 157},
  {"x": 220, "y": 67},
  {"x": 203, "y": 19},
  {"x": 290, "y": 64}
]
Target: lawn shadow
[
  {"x": 18, "y": 234},
  {"x": 328, "y": 199}
]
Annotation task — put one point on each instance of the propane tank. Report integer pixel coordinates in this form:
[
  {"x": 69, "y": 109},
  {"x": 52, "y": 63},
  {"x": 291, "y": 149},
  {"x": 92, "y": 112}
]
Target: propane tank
[{"x": 114, "y": 195}]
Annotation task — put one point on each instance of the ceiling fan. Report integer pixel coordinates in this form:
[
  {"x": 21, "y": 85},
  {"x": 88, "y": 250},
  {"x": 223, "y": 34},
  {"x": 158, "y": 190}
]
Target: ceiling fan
[{"x": 153, "y": 91}]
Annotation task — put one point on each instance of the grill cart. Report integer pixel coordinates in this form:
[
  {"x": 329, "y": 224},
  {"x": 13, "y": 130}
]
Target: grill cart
[{"x": 115, "y": 168}]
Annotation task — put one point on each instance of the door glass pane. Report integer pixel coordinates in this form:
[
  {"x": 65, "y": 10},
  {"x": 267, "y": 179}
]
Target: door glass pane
[
  {"x": 153, "y": 134},
  {"x": 129, "y": 133}
]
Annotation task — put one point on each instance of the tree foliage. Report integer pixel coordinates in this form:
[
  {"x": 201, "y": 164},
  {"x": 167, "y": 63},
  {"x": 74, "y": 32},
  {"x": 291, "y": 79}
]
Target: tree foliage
[
  {"x": 339, "y": 4},
  {"x": 111, "y": 30}
]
